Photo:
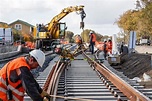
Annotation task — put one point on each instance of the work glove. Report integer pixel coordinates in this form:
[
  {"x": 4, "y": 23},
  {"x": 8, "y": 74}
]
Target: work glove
[
  {"x": 45, "y": 99},
  {"x": 45, "y": 94}
]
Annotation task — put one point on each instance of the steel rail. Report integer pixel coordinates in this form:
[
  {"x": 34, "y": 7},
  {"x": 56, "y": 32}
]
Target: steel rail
[
  {"x": 51, "y": 84},
  {"x": 70, "y": 98},
  {"x": 60, "y": 66},
  {"x": 129, "y": 91},
  {"x": 54, "y": 74}
]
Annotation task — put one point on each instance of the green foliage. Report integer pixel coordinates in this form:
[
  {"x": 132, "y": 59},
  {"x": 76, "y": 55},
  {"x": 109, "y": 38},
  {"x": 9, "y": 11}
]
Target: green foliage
[
  {"x": 137, "y": 20},
  {"x": 147, "y": 19},
  {"x": 16, "y": 34},
  {"x": 3, "y": 25},
  {"x": 98, "y": 36},
  {"x": 27, "y": 37},
  {"x": 128, "y": 21},
  {"x": 85, "y": 35},
  {"x": 68, "y": 36},
  {"x": 146, "y": 2},
  {"x": 123, "y": 37},
  {"x": 86, "y": 38}
]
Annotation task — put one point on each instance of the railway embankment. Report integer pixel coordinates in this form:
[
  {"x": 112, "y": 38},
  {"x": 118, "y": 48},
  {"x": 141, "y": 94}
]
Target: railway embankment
[{"x": 137, "y": 64}]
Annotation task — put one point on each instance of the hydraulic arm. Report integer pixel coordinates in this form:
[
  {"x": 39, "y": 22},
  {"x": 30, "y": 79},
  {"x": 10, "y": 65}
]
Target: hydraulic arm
[
  {"x": 47, "y": 35},
  {"x": 52, "y": 25}
]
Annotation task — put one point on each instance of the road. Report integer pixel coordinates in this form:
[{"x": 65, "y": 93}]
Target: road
[{"x": 144, "y": 49}]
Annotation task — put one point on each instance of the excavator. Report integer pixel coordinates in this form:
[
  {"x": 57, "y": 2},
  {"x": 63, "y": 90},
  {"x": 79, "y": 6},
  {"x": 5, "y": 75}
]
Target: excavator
[{"x": 48, "y": 36}]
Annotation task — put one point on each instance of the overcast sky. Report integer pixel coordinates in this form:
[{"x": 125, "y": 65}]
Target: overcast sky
[{"x": 100, "y": 14}]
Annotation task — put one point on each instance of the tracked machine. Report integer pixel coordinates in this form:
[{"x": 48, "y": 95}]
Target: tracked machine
[{"x": 48, "y": 36}]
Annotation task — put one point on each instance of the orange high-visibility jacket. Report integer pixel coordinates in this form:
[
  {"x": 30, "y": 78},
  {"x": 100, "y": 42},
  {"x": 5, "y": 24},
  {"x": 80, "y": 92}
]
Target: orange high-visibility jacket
[
  {"x": 100, "y": 46},
  {"x": 78, "y": 39},
  {"x": 109, "y": 44},
  {"x": 18, "y": 93},
  {"x": 94, "y": 37}
]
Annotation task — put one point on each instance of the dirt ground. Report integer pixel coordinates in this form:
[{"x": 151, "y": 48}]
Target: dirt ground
[{"x": 135, "y": 65}]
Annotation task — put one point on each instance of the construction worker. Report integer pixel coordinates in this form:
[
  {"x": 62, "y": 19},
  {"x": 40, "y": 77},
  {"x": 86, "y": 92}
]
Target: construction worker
[
  {"x": 109, "y": 44},
  {"x": 78, "y": 39},
  {"x": 92, "y": 41},
  {"x": 105, "y": 49},
  {"x": 121, "y": 47},
  {"x": 16, "y": 78}
]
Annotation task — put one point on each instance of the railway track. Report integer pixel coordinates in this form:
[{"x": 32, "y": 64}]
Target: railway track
[
  {"x": 79, "y": 81},
  {"x": 85, "y": 79}
]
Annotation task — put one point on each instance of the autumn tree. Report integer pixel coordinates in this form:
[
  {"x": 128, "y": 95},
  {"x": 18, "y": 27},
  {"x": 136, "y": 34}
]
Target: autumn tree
[
  {"x": 3, "y": 25},
  {"x": 27, "y": 37},
  {"x": 68, "y": 36},
  {"x": 137, "y": 20},
  {"x": 128, "y": 21},
  {"x": 146, "y": 17},
  {"x": 16, "y": 35},
  {"x": 85, "y": 35}
]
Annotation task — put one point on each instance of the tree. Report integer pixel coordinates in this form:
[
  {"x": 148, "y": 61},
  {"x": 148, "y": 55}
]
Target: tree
[
  {"x": 85, "y": 35},
  {"x": 122, "y": 36},
  {"x": 146, "y": 18},
  {"x": 128, "y": 21},
  {"x": 3, "y": 25},
  {"x": 16, "y": 34},
  {"x": 86, "y": 38},
  {"x": 27, "y": 37},
  {"x": 68, "y": 36},
  {"x": 98, "y": 37},
  {"x": 137, "y": 20}
]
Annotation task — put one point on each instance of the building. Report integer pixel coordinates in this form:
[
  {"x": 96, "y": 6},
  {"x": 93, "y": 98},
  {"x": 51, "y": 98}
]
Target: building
[
  {"x": 22, "y": 26},
  {"x": 6, "y": 36}
]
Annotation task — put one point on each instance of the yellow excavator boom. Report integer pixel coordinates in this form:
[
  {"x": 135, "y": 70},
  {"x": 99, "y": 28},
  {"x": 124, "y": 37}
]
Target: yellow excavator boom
[{"x": 44, "y": 34}]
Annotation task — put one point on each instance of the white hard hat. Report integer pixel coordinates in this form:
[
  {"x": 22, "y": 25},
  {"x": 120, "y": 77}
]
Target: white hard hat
[
  {"x": 91, "y": 32},
  {"x": 58, "y": 46},
  {"x": 109, "y": 38},
  {"x": 105, "y": 40},
  {"x": 39, "y": 56}
]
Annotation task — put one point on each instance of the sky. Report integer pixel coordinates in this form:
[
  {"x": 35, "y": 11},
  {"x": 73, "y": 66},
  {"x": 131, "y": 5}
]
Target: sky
[{"x": 101, "y": 15}]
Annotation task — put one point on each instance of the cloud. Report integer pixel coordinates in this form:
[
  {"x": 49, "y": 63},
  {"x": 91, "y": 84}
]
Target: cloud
[{"x": 101, "y": 14}]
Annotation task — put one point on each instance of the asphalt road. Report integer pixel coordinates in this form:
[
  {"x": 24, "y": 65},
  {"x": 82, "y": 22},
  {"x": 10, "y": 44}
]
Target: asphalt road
[{"x": 144, "y": 49}]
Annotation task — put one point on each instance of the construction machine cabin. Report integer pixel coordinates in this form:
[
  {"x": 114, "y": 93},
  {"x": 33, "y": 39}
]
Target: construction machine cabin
[{"x": 49, "y": 35}]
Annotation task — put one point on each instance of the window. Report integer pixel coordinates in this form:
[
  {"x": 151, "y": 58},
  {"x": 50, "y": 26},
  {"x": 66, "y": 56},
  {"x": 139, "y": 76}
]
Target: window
[{"x": 18, "y": 26}]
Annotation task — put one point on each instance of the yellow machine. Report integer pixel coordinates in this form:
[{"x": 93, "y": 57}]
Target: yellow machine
[{"x": 49, "y": 35}]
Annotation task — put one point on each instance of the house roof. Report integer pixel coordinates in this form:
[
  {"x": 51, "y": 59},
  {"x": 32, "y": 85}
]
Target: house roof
[
  {"x": 23, "y": 22},
  {"x": 3, "y": 23}
]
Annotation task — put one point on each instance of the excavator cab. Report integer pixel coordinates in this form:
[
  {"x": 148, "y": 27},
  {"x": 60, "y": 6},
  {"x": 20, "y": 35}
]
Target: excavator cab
[
  {"x": 44, "y": 38},
  {"x": 62, "y": 28},
  {"x": 49, "y": 35}
]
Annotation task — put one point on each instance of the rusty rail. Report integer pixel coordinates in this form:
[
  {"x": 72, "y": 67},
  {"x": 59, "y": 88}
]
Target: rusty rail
[
  {"x": 129, "y": 91},
  {"x": 50, "y": 85}
]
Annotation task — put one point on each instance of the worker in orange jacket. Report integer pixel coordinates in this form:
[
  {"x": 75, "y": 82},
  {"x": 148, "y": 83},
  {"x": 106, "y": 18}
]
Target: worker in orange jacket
[
  {"x": 16, "y": 78},
  {"x": 78, "y": 40},
  {"x": 105, "y": 49},
  {"x": 109, "y": 44},
  {"x": 92, "y": 41}
]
